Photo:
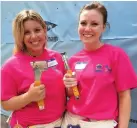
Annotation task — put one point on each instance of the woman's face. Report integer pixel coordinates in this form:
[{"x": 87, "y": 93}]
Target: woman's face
[
  {"x": 34, "y": 36},
  {"x": 90, "y": 26}
]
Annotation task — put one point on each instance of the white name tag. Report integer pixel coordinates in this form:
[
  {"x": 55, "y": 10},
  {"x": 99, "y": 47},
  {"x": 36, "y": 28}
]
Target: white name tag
[
  {"x": 80, "y": 65},
  {"x": 52, "y": 63}
]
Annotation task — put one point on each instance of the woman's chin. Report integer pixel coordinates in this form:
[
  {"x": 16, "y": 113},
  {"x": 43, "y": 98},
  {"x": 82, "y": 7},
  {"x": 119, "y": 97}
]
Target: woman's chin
[
  {"x": 38, "y": 49},
  {"x": 88, "y": 42}
]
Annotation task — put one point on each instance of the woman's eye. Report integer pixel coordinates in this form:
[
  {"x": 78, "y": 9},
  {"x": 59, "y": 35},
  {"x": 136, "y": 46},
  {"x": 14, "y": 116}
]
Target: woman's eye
[
  {"x": 83, "y": 23},
  {"x": 94, "y": 24},
  {"x": 26, "y": 32},
  {"x": 37, "y": 30}
]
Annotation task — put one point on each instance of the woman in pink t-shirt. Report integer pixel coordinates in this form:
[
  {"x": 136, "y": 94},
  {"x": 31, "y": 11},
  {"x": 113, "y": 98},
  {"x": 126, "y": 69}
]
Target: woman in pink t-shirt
[
  {"x": 104, "y": 77},
  {"x": 32, "y": 79}
]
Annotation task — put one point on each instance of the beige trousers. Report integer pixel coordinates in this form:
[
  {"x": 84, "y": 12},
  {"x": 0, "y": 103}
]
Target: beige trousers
[
  {"x": 54, "y": 124},
  {"x": 3, "y": 121},
  {"x": 71, "y": 119}
]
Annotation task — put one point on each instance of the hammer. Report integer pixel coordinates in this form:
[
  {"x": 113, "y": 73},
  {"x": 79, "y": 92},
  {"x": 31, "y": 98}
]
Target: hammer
[
  {"x": 38, "y": 68},
  {"x": 69, "y": 71}
]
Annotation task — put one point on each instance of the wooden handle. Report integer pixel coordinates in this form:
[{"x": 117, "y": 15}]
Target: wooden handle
[
  {"x": 37, "y": 83},
  {"x": 74, "y": 88},
  {"x": 41, "y": 102}
]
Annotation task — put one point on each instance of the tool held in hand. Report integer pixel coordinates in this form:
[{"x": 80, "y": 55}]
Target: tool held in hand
[
  {"x": 69, "y": 71},
  {"x": 39, "y": 67},
  {"x": 9, "y": 118},
  {"x": 17, "y": 125}
]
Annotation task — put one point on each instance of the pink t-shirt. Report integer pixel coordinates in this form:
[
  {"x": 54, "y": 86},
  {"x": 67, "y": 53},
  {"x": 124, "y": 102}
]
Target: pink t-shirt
[
  {"x": 18, "y": 75},
  {"x": 101, "y": 75}
]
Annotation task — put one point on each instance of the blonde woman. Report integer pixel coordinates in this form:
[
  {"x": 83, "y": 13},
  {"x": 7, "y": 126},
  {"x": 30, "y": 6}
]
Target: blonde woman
[{"x": 19, "y": 93}]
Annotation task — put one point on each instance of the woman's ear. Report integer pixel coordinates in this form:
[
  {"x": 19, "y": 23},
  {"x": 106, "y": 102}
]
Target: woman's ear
[
  {"x": 104, "y": 27},
  {"x": 45, "y": 30}
]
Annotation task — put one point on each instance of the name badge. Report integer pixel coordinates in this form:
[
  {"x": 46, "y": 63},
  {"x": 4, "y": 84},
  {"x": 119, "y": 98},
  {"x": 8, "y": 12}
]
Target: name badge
[
  {"x": 52, "y": 62},
  {"x": 80, "y": 65}
]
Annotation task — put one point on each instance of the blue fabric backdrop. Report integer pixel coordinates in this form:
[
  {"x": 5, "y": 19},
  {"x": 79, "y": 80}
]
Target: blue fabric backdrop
[{"x": 62, "y": 19}]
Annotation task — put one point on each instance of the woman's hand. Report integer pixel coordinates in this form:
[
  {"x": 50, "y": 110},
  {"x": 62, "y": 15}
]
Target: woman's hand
[
  {"x": 70, "y": 81},
  {"x": 36, "y": 93}
]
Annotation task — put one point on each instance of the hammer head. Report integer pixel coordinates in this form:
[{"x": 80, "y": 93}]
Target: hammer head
[
  {"x": 65, "y": 59},
  {"x": 41, "y": 65}
]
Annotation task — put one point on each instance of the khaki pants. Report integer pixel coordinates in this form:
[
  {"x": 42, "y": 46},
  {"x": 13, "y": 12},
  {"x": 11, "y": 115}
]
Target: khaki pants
[
  {"x": 76, "y": 121},
  {"x": 4, "y": 124},
  {"x": 55, "y": 124}
]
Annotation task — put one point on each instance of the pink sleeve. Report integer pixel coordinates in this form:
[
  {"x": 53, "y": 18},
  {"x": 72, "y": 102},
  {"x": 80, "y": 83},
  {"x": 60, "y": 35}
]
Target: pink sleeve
[
  {"x": 8, "y": 85},
  {"x": 125, "y": 76}
]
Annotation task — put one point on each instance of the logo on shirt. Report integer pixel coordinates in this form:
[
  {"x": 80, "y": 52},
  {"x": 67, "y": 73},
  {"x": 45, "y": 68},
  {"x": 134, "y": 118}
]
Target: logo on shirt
[
  {"x": 102, "y": 68},
  {"x": 99, "y": 68},
  {"x": 107, "y": 68}
]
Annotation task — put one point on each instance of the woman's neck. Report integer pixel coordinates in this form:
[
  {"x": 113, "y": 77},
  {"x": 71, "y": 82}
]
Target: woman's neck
[
  {"x": 93, "y": 46},
  {"x": 34, "y": 54}
]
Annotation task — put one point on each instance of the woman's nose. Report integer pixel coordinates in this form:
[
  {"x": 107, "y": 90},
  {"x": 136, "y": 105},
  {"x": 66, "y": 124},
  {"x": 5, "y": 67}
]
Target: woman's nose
[
  {"x": 33, "y": 35},
  {"x": 88, "y": 28}
]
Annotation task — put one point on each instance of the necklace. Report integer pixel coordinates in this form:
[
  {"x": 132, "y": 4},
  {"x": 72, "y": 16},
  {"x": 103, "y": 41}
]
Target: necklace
[{"x": 30, "y": 54}]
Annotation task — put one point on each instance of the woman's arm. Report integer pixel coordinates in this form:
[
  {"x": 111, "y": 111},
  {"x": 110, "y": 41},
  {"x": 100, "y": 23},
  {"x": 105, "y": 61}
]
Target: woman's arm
[
  {"x": 124, "y": 108},
  {"x": 16, "y": 102},
  {"x": 35, "y": 93}
]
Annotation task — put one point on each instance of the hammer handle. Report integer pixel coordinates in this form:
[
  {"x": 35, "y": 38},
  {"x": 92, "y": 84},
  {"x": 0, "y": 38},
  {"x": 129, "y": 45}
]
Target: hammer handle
[
  {"x": 40, "y": 102},
  {"x": 74, "y": 88}
]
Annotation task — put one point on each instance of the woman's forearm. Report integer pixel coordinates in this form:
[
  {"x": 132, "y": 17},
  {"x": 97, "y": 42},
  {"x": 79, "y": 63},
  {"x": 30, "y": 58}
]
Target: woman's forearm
[
  {"x": 124, "y": 109},
  {"x": 16, "y": 102}
]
